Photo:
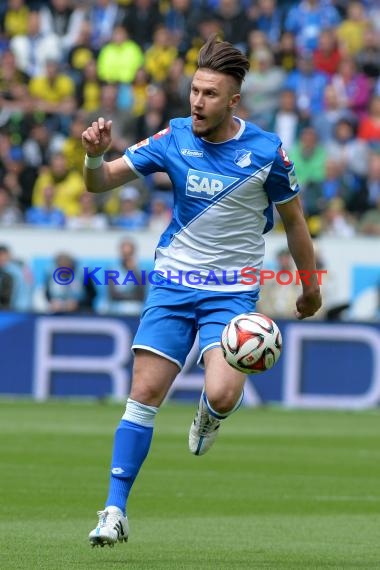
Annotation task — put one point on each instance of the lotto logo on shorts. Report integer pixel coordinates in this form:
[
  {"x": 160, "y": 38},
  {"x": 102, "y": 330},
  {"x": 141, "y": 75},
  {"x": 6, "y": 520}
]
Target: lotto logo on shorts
[{"x": 206, "y": 184}]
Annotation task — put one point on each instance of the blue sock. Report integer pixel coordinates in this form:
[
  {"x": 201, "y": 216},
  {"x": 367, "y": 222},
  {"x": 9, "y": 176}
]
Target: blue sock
[{"x": 131, "y": 445}]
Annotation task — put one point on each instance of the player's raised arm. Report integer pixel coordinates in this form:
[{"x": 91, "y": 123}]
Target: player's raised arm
[{"x": 99, "y": 175}]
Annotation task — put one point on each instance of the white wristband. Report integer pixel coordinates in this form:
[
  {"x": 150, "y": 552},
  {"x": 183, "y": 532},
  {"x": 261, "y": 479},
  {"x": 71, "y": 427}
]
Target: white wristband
[{"x": 93, "y": 162}]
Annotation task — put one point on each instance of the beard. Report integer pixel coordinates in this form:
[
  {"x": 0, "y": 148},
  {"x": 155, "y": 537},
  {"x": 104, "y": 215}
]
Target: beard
[{"x": 202, "y": 131}]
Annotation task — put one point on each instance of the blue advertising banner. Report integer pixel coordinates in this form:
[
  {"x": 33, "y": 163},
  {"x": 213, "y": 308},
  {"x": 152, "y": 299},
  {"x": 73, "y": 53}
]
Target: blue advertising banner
[{"x": 323, "y": 365}]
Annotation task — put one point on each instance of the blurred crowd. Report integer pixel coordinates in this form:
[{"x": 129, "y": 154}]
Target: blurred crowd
[{"x": 314, "y": 79}]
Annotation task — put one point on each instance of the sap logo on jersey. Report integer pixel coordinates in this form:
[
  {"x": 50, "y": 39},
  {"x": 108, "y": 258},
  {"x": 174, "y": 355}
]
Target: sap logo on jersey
[{"x": 206, "y": 184}]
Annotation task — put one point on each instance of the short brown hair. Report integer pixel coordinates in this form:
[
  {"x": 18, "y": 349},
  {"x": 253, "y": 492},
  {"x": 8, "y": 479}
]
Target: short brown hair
[{"x": 223, "y": 57}]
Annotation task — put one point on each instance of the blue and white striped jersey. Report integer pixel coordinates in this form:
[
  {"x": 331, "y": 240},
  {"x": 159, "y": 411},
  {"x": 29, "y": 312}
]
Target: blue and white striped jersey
[{"x": 223, "y": 197}]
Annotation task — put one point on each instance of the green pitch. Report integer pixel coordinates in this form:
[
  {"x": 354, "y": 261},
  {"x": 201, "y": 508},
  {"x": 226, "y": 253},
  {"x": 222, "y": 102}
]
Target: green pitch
[{"x": 280, "y": 489}]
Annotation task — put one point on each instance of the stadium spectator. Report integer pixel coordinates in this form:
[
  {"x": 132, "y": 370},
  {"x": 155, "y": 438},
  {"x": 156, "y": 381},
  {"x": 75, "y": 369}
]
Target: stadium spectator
[
  {"x": 88, "y": 91},
  {"x": 61, "y": 18},
  {"x": 160, "y": 55},
  {"x": 257, "y": 43},
  {"x": 103, "y": 16},
  {"x": 309, "y": 86},
  {"x": 327, "y": 56},
  {"x": 336, "y": 220},
  {"x": 141, "y": 18},
  {"x": 233, "y": 22},
  {"x": 307, "y": 18},
  {"x": 119, "y": 60},
  {"x": 47, "y": 214},
  {"x": 207, "y": 25},
  {"x": 21, "y": 280},
  {"x": 77, "y": 296},
  {"x": 351, "y": 31},
  {"x": 267, "y": 17},
  {"x": 156, "y": 113},
  {"x": 177, "y": 87},
  {"x": 16, "y": 18},
  {"x": 72, "y": 148},
  {"x": 68, "y": 185},
  {"x": 353, "y": 88},
  {"x": 128, "y": 298},
  {"x": 261, "y": 89},
  {"x": 345, "y": 147},
  {"x": 130, "y": 217},
  {"x": 287, "y": 122},
  {"x": 88, "y": 217},
  {"x": 368, "y": 58},
  {"x": 18, "y": 177},
  {"x": 9, "y": 213},
  {"x": 369, "y": 223},
  {"x": 53, "y": 94},
  {"x": 374, "y": 14},
  {"x": 324, "y": 123},
  {"x": 181, "y": 18},
  {"x": 310, "y": 156},
  {"x": 33, "y": 49},
  {"x": 81, "y": 52},
  {"x": 14, "y": 96},
  {"x": 160, "y": 213},
  {"x": 122, "y": 119},
  {"x": 285, "y": 54},
  {"x": 336, "y": 182},
  {"x": 40, "y": 144},
  {"x": 6, "y": 285},
  {"x": 369, "y": 124}
]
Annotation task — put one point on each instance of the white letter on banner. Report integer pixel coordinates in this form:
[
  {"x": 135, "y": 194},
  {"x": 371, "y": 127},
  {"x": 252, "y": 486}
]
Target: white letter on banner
[
  {"x": 112, "y": 364},
  {"x": 293, "y": 353}
]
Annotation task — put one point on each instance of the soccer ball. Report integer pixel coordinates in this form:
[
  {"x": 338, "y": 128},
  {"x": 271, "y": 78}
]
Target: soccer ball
[{"x": 251, "y": 343}]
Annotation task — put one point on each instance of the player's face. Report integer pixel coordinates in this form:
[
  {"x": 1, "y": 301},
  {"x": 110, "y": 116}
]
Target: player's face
[{"x": 212, "y": 99}]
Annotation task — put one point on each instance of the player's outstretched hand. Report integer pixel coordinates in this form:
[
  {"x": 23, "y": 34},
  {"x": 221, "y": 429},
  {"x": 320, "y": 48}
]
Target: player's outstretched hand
[
  {"x": 97, "y": 138},
  {"x": 308, "y": 304}
]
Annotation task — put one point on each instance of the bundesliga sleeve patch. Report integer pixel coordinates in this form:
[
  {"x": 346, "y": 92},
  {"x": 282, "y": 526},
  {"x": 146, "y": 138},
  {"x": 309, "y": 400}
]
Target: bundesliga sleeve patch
[
  {"x": 285, "y": 159},
  {"x": 133, "y": 148},
  {"x": 161, "y": 133}
]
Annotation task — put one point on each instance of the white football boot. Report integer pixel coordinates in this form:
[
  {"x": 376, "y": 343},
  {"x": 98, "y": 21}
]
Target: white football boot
[
  {"x": 203, "y": 430},
  {"x": 112, "y": 527}
]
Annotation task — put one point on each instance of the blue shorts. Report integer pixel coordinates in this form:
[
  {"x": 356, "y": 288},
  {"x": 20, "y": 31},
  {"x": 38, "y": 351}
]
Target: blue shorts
[{"x": 173, "y": 315}]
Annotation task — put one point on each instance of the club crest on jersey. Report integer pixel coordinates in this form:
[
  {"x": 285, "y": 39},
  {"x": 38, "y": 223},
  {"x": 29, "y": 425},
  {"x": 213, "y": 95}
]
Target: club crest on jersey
[
  {"x": 243, "y": 158},
  {"x": 206, "y": 184}
]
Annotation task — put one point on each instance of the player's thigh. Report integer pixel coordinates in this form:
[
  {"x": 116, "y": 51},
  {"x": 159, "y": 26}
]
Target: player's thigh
[
  {"x": 215, "y": 310},
  {"x": 162, "y": 342},
  {"x": 152, "y": 377},
  {"x": 223, "y": 384},
  {"x": 167, "y": 326}
]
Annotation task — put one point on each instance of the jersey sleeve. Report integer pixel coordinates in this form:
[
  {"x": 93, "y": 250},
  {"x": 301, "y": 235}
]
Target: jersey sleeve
[
  {"x": 281, "y": 184},
  {"x": 148, "y": 155}
]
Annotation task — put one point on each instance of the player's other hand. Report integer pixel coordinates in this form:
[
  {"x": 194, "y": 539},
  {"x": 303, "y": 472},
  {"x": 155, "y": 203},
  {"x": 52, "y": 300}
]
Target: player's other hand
[
  {"x": 97, "y": 138},
  {"x": 308, "y": 304}
]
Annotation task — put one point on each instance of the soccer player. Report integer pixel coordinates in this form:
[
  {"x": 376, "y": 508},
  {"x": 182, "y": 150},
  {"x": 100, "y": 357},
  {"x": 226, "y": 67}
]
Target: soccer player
[{"x": 226, "y": 175}]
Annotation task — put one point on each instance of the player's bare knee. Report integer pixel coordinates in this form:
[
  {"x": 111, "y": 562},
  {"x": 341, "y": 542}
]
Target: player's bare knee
[{"x": 224, "y": 401}]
